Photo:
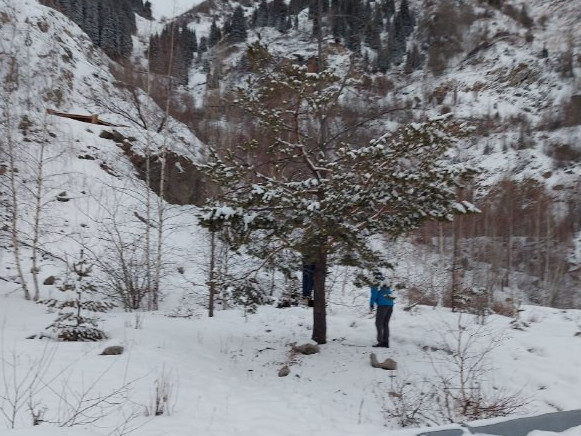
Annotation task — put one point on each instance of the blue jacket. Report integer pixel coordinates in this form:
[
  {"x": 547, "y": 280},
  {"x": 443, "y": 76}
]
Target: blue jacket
[{"x": 381, "y": 296}]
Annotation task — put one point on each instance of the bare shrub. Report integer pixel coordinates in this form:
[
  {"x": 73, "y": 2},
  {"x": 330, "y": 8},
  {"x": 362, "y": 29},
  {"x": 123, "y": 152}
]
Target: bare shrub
[
  {"x": 25, "y": 388},
  {"x": 88, "y": 406},
  {"x": 456, "y": 392},
  {"x": 382, "y": 85},
  {"x": 124, "y": 278},
  {"x": 519, "y": 16},
  {"x": 504, "y": 308},
  {"x": 566, "y": 65},
  {"x": 459, "y": 391},
  {"x": 563, "y": 154},
  {"x": 161, "y": 403},
  {"x": 571, "y": 111},
  {"x": 567, "y": 115},
  {"x": 21, "y": 380},
  {"x": 417, "y": 296},
  {"x": 439, "y": 94},
  {"x": 406, "y": 401}
]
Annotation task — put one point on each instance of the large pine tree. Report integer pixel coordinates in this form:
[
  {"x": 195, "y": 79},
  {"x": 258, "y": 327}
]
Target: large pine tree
[
  {"x": 238, "y": 28},
  {"x": 172, "y": 51},
  {"x": 215, "y": 34},
  {"x": 308, "y": 192},
  {"x": 260, "y": 16}
]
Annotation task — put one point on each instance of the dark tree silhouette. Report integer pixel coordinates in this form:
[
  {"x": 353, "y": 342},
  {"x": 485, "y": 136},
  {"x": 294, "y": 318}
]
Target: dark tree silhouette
[{"x": 238, "y": 30}]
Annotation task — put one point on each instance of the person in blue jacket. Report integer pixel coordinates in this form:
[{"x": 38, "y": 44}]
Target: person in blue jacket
[{"x": 381, "y": 295}]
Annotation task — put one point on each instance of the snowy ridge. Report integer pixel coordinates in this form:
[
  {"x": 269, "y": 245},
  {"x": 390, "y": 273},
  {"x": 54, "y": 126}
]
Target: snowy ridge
[{"x": 167, "y": 9}]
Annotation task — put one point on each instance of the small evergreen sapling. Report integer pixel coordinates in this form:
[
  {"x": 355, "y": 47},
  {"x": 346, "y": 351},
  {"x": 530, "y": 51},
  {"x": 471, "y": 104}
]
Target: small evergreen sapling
[{"x": 73, "y": 324}]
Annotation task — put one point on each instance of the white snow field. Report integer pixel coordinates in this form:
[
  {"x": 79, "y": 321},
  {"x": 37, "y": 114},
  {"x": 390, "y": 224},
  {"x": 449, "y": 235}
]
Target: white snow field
[{"x": 221, "y": 373}]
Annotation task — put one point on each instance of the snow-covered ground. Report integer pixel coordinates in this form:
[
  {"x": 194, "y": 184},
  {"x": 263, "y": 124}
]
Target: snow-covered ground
[{"x": 221, "y": 373}]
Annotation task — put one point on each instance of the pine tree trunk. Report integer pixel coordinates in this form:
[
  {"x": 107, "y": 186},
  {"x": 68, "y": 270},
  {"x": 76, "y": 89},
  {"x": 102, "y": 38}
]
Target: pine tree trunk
[
  {"x": 319, "y": 303},
  {"x": 320, "y": 260}
]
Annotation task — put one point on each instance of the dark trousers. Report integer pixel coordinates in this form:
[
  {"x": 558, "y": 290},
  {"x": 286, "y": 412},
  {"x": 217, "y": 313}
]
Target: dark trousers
[{"x": 382, "y": 317}]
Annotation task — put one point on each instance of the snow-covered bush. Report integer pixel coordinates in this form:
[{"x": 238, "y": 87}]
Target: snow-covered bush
[{"x": 73, "y": 323}]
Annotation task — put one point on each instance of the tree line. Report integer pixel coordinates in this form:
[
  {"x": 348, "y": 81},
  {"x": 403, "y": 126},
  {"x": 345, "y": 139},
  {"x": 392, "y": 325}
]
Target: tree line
[{"x": 109, "y": 23}]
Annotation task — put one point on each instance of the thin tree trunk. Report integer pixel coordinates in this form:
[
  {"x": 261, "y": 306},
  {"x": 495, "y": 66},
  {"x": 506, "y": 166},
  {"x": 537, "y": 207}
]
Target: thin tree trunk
[
  {"x": 509, "y": 238},
  {"x": 319, "y": 297},
  {"x": 15, "y": 205},
  {"x": 224, "y": 267},
  {"x": 538, "y": 237},
  {"x": 160, "y": 224},
  {"x": 441, "y": 239},
  {"x": 162, "y": 175},
  {"x": 148, "y": 214},
  {"x": 547, "y": 270},
  {"x": 455, "y": 291},
  {"x": 456, "y": 255},
  {"x": 212, "y": 281},
  {"x": 36, "y": 228},
  {"x": 148, "y": 254}
]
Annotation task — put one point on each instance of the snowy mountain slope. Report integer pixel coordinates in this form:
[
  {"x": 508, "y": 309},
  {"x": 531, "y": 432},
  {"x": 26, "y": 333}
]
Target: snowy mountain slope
[
  {"x": 89, "y": 188},
  {"x": 163, "y": 10},
  {"x": 221, "y": 373},
  {"x": 517, "y": 85},
  {"x": 505, "y": 82},
  {"x": 70, "y": 75},
  {"x": 501, "y": 76}
]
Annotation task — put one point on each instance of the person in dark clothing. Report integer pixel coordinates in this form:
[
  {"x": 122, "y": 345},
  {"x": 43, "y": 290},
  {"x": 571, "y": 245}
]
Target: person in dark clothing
[
  {"x": 382, "y": 296},
  {"x": 308, "y": 283}
]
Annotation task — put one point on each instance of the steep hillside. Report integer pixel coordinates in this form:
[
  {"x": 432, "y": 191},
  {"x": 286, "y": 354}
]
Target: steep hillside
[
  {"x": 510, "y": 70},
  {"x": 69, "y": 185},
  {"x": 519, "y": 81},
  {"x": 88, "y": 144}
]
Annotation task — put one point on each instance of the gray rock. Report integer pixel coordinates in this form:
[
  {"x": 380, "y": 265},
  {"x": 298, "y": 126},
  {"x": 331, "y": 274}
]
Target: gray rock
[
  {"x": 50, "y": 280},
  {"x": 284, "y": 371},
  {"x": 306, "y": 349},
  {"x": 113, "y": 350},
  {"x": 388, "y": 363}
]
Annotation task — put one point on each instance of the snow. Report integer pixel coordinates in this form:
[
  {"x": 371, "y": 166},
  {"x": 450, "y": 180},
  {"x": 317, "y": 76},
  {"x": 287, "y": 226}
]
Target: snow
[
  {"x": 575, "y": 431},
  {"x": 222, "y": 371},
  {"x": 168, "y": 9}
]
